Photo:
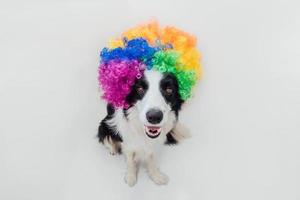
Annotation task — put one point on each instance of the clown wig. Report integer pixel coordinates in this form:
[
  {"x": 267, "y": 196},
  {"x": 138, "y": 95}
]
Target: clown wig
[{"x": 148, "y": 47}]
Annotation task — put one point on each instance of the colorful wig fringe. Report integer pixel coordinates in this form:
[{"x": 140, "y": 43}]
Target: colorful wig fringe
[{"x": 148, "y": 47}]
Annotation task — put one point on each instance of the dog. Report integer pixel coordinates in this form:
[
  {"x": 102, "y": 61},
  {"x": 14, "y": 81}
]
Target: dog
[
  {"x": 150, "y": 120},
  {"x": 146, "y": 76}
]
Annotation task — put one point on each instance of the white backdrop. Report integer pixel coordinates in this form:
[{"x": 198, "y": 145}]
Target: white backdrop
[{"x": 244, "y": 116}]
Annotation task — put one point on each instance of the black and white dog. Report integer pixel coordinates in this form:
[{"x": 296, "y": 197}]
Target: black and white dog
[{"x": 150, "y": 120}]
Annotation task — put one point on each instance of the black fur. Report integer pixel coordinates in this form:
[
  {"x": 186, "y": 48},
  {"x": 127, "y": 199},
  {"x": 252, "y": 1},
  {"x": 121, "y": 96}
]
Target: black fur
[
  {"x": 134, "y": 94},
  {"x": 105, "y": 130},
  {"x": 170, "y": 139},
  {"x": 169, "y": 81}
]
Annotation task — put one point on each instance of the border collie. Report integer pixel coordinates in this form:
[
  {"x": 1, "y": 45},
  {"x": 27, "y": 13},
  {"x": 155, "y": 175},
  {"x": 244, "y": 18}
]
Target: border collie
[{"x": 151, "y": 120}]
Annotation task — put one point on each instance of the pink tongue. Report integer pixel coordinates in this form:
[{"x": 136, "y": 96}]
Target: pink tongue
[{"x": 153, "y": 128}]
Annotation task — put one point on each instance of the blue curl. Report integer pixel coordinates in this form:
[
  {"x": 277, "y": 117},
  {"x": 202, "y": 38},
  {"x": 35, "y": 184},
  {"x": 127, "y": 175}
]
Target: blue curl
[{"x": 135, "y": 49}]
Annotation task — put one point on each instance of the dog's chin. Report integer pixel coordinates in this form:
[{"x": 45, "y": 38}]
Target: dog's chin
[{"x": 152, "y": 131}]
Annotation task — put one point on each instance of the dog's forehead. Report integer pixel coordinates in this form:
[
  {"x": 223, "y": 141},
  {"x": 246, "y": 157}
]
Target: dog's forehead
[{"x": 153, "y": 77}]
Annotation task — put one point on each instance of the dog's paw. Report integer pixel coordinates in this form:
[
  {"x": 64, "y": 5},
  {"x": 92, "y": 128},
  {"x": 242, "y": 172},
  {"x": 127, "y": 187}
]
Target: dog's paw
[
  {"x": 130, "y": 179},
  {"x": 114, "y": 148},
  {"x": 180, "y": 132},
  {"x": 159, "y": 178},
  {"x": 113, "y": 151}
]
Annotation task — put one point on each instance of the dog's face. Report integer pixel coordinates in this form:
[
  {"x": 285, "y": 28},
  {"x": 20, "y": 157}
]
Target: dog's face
[{"x": 156, "y": 100}]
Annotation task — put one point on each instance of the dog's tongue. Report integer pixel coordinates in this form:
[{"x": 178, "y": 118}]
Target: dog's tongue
[{"x": 152, "y": 128}]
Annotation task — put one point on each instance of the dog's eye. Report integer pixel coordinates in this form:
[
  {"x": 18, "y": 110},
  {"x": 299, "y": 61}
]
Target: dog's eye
[
  {"x": 168, "y": 91},
  {"x": 140, "y": 90}
]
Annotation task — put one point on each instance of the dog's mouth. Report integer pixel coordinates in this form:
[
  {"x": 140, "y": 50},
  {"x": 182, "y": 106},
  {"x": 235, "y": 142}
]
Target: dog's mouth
[{"x": 152, "y": 131}]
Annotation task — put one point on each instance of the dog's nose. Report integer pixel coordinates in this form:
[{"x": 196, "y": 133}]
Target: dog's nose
[{"x": 154, "y": 116}]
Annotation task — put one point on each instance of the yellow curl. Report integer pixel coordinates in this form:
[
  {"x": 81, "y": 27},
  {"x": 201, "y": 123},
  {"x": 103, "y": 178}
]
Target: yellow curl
[
  {"x": 149, "y": 31},
  {"x": 115, "y": 43}
]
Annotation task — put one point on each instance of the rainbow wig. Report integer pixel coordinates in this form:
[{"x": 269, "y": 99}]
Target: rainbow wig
[{"x": 148, "y": 47}]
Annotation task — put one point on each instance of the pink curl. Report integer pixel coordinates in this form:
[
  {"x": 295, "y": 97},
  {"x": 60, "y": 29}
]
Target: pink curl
[{"x": 116, "y": 79}]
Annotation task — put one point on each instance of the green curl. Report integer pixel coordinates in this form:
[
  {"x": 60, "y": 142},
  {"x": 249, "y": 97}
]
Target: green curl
[{"x": 168, "y": 61}]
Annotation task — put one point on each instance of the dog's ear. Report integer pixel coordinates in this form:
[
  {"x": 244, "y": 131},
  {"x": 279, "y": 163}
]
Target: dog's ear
[
  {"x": 180, "y": 132},
  {"x": 110, "y": 109}
]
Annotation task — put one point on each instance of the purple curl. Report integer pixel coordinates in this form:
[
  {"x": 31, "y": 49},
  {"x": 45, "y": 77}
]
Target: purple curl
[{"x": 116, "y": 78}]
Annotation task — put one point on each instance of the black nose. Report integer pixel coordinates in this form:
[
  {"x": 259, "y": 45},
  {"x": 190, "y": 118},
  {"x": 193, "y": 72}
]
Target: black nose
[{"x": 154, "y": 116}]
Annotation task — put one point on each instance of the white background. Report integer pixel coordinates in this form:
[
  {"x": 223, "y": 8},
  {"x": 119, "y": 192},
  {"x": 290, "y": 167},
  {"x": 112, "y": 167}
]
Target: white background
[{"x": 244, "y": 116}]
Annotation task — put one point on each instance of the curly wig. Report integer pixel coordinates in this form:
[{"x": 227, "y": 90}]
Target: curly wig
[{"x": 148, "y": 47}]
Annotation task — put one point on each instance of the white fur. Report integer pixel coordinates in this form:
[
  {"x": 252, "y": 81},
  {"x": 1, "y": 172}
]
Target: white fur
[{"x": 136, "y": 145}]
